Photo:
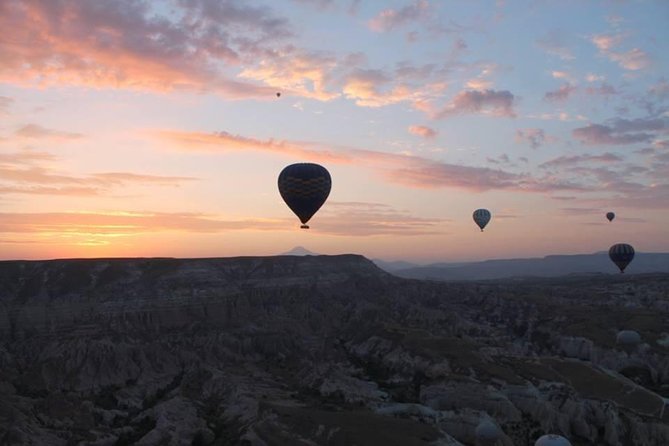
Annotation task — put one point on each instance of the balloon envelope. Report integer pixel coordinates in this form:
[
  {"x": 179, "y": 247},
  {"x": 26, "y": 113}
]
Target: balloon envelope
[
  {"x": 481, "y": 217},
  {"x": 621, "y": 254},
  {"x": 628, "y": 337},
  {"x": 610, "y": 216},
  {"x": 487, "y": 432},
  {"x": 552, "y": 440},
  {"x": 304, "y": 187}
]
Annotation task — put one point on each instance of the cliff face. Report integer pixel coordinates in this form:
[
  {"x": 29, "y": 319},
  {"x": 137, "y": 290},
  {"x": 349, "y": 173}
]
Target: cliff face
[{"x": 322, "y": 350}]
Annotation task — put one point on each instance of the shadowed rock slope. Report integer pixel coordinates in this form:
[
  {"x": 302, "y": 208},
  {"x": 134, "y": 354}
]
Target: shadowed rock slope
[{"x": 322, "y": 350}]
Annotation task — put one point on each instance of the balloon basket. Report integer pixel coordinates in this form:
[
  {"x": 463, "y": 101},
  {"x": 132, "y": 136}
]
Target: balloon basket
[{"x": 304, "y": 227}]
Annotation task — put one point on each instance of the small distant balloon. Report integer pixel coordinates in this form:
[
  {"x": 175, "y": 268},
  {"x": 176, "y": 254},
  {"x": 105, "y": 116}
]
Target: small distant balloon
[
  {"x": 621, "y": 254},
  {"x": 610, "y": 216},
  {"x": 304, "y": 187},
  {"x": 487, "y": 433},
  {"x": 628, "y": 337},
  {"x": 481, "y": 217},
  {"x": 278, "y": 94}
]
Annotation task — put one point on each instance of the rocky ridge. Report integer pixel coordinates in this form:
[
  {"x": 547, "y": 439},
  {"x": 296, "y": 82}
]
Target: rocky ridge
[{"x": 323, "y": 350}]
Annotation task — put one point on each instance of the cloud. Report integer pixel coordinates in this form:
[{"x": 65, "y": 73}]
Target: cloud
[
  {"x": 390, "y": 19},
  {"x": 604, "y": 89},
  {"x": 25, "y": 173},
  {"x": 318, "y": 4},
  {"x": 660, "y": 89},
  {"x": 296, "y": 72},
  {"x": 374, "y": 88},
  {"x": 561, "y": 94},
  {"x": 409, "y": 171},
  {"x": 594, "y": 77},
  {"x": 607, "y": 42},
  {"x": 553, "y": 43},
  {"x": 422, "y": 131},
  {"x": 633, "y": 59},
  {"x": 561, "y": 75},
  {"x": 130, "y": 44},
  {"x": 598, "y": 134},
  {"x": 224, "y": 141},
  {"x": 5, "y": 104},
  {"x": 567, "y": 161},
  {"x": 581, "y": 211},
  {"x": 486, "y": 102},
  {"x": 127, "y": 177},
  {"x": 102, "y": 227},
  {"x": 533, "y": 136},
  {"x": 482, "y": 81},
  {"x": 478, "y": 84},
  {"x": 560, "y": 116},
  {"x": 621, "y": 131},
  {"x": 25, "y": 157},
  {"x": 501, "y": 159},
  {"x": 35, "y": 131},
  {"x": 77, "y": 191}
]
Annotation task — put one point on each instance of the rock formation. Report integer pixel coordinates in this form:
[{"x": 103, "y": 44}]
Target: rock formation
[{"x": 325, "y": 350}]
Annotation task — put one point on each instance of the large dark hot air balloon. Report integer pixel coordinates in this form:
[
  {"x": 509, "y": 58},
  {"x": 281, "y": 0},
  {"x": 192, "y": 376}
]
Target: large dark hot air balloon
[
  {"x": 481, "y": 217},
  {"x": 304, "y": 187},
  {"x": 610, "y": 216},
  {"x": 621, "y": 254}
]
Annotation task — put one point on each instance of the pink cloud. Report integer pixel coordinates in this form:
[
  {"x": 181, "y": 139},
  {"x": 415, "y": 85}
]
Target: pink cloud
[
  {"x": 567, "y": 161},
  {"x": 128, "y": 45},
  {"x": 389, "y": 19},
  {"x": 35, "y": 131},
  {"x": 422, "y": 131},
  {"x": 533, "y": 136},
  {"x": 374, "y": 88},
  {"x": 598, "y": 134},
  {"x": 5, "y": 103},
  {"x": 409, "y": 171},
  {"x": 607, "y": 42},
  {"x": 660, "y": 89},
  {"x": 603, "y": 90},
  {"x": 24, "y": 173},
  {"x": 296, "y": 72},
  {"x": 74, "y": 191},
  {"x": 486, "y": 102},
  {"x": 633, "y": 59},
  {"x": 561, "y": 94}
]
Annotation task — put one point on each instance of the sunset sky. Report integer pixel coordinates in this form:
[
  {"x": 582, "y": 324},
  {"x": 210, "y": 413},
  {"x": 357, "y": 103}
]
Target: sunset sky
[{"x": 152, "y": 128}]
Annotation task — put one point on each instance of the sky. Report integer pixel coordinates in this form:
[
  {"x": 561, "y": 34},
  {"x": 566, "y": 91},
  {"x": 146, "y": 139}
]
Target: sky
[{"x": 153, "y": 128}]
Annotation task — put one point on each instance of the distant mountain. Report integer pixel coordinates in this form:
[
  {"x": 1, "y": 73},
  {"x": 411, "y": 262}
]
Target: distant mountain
[
  {"x": 549, "y": 266},
  {"x": 299, "y": 251},
  {"x": 394, "y": 266}
]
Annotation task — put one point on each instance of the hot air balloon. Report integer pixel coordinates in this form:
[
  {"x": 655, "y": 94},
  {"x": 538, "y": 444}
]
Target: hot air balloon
[
  {"x": 628, "y": 340},
  {"x": 481, "y": 217},
  {"x": 628, "y": 337},
  {"x": 610, "y": 216},
  {"x": 621, "y": 254},
  {"x": 278, "y": 94},
  {"x": 552, "y": 440},
  {"x": 304, "y": 187},
  {"x": 487, "y": 433}
]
